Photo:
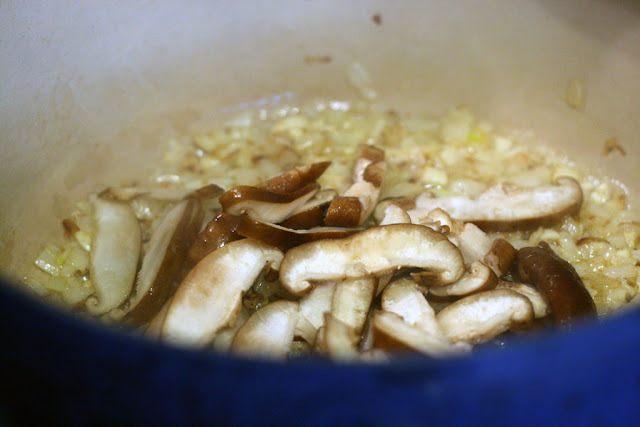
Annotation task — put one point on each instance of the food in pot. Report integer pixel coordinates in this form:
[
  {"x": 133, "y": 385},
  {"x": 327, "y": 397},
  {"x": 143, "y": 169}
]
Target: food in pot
[{"x": 336, "y": 229}]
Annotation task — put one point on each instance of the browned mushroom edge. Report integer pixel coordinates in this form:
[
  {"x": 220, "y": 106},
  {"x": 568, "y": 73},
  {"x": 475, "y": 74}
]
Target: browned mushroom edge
[
  {"x": 558, "y": 281},
  {"x": 282, "y": 237},
  {"x": 295, "y": 179}
]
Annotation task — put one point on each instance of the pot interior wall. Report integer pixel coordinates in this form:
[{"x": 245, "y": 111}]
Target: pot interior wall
[{"x": 90, "y": 92}]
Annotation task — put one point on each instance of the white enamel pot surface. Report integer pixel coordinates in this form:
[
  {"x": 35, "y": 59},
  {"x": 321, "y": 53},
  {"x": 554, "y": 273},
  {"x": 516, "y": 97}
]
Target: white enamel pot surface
[{"x": 87, "y": 89}]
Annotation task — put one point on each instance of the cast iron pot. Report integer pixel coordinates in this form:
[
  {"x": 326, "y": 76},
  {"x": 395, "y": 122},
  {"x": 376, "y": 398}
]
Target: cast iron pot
[{"x": 89, "y": 89}]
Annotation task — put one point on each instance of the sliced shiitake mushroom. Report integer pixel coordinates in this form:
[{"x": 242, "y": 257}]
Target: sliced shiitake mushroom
[
  {"x": 478, "y": 277},
  {"x": 210, "y": 297},
  {"x": 355, "y": 206},
  {"x": 282, "y": 237},
  {"x": 558, "y": 281},
  {"x": 480, "y": 317},
  {"x": 268, "y": 332},
  {"x": 114, "y": 255},
  {"x": 339, "y": 340},
  {"x": 224, "y": 337},
  {"x": 352, "y": 301},
  {"x": 508, "y": 207},
  {"x": 264, "y": 205},
  {"x": 165, "y": 255},
  {"x": 500, "y": 257},
  {"x": 313, "y": 306},
  {"x": 126, "y": 194},
  {"x": 295, "y": 179},
  {"x": 312, "y": 213},
  {"x": 404, "y": 298},
  {"x": 375, "y": 251},
  {"x": 540, "y": 306},
  {"x": 393, "y": 333},
  {"x": 217, "y": 233},
  {"x": 389, "y": 212}
]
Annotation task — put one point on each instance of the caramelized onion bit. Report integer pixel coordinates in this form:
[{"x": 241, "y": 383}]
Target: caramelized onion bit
[{"x": 558, "y": 281}]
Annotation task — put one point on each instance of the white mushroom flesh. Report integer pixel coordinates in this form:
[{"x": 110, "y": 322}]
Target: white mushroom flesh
[
  {"x": 540, "y": 306},
  {"x": 268, "y": 332},
  {"x": 209, "y": 298},
  {"x": 403, "y": 298},
  {"x": 482, "y": 316},
  {"x": 479, "y": 277},
  {"x": 352, "y": 300},
  {"x": 166, "y": 251},
  {"x": 313, "y": 306},
  {"x": 266, "y": 211},
  {"x": 392, "y": 332},
  {"x": 505, "y": 204},
  {"x": 224, "y": 337},
  {"x": 114, "y": 255},
  {"x": 375, "y": 251},
  {"x": 393, "y": 214},
  {"x": 340, "y": 340}
]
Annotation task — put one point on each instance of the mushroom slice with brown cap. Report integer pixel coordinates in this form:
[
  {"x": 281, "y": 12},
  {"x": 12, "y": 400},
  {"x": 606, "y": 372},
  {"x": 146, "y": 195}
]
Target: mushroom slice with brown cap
[
  {"x": 368, "y": 174},
  {"x": 217, "y": 233},
  {"x": 268, "y": 332},
  {"x": 296, "y": 178},
  {"x": 352, "y": 301},
  {"x": 472, "y": 241},
  {"x": 540, "y": 306},
  {"x": 344, "y": 212},
  {"x": 508, "y": 207},
  {"x": 313, "y": 306},
  {"x": 479, "y": 277},
  {"x": 210, "y": 297},
  {"x": 161, "y": 264},
  {"x": 264, "y": 205},
  {"x": 125, "y": 194},
  {"x": 558, "y": 281},
  {"x": 375, "y": 251},
  {"x": 312, "y": 213},
  {"x": 282, "y": 237},
  {"x": 367, "y": 155},
  {"x": 393, "y": 333},
  {"x": 480, "y": 317},
  {"x": 114, "y": 255},
  {"x": 500, "y": 257}
]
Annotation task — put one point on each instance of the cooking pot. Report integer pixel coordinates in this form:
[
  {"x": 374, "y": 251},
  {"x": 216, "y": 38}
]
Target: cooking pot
[{"x": 89, "y": 89}]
